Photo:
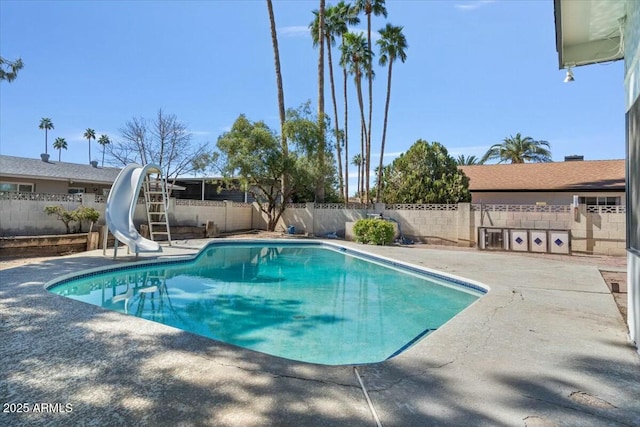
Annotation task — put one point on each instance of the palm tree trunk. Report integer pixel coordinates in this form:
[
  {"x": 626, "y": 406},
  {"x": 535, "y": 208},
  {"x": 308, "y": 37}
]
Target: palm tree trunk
[
  {"x": 321, "y": 143},
  {"x": 281, "y": 110},
  {"x": 365, "y": 175},
  {"x": 346, "y": 140},
  {"x": 59, "y": 154},
  {"x": 384, "y": 132},
  {"x": 103, "y": 156},
  {"x": 358, "y": 165},
  {"x": 335, "y": 114},
  {"x": 89, "y": 139},
  {"x": 46, "y": 144},
  {"x": 369, "y": 72}
]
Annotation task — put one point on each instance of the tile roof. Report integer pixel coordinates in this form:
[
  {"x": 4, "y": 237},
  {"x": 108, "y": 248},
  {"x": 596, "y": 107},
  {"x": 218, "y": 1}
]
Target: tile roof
[
  {"x": 587, "y": 175},
  {"x": 21, "y": 167}
]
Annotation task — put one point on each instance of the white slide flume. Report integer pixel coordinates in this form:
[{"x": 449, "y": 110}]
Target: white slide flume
[{"x": 121, "y": 205}]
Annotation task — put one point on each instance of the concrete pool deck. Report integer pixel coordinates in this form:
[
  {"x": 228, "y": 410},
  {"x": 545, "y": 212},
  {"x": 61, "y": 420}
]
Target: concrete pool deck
[{"x": 546, "y": 346}]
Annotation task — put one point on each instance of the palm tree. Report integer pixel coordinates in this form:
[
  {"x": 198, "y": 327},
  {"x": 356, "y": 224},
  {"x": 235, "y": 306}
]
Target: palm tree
[
  {"x": 392, "y": 46},
  {"x": 346, "y": 13},
  {"x": 355, "y": 56},
  {"x": 281, "y": 109},
  {"x": 333, "y": 25},
  {"x": 47, "y": 125},
  {"x": 377, "y": 8},
  {"x": 11, "y": 71},
  {"x": 89, "y": 134},
  {"x": 519, "y": 150},
  {"x": 357, "y": 161},
  {"x": 59, "y": 144},
  {"x": 463, "y": 160},
  {"x": 103, "y": 140}
]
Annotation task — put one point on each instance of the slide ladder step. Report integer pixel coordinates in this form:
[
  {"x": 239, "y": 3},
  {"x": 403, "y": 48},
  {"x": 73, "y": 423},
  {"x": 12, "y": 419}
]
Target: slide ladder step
[{"x": 155, "y": 195}]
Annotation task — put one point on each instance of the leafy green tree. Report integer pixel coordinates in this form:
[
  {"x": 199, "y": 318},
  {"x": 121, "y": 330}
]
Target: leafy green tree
[
  {"x": 392, "y": 46},
  {"x": 59, "y": 144},
  {"x": 303, "y": 131},
  {"x": 516, "y": 149},
  {"x": 251, "y": 153},
  {"x": 425, "y": 173},
  {"x": 89, "y": 134},
  {"x": 9, "y": 69},
  {"x": 104, "y": 141},
  {"x": 46, "y": 124},
  {"x": 463, "y": 160}
]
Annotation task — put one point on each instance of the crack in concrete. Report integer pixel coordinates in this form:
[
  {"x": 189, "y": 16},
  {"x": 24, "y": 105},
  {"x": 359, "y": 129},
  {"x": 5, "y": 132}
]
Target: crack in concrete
[
  {"x": 294, "y": 377},
  {"x": 566, "y": 290},
  {"x": 580, "y": 410},
  {"x": 405, "y": 378}
]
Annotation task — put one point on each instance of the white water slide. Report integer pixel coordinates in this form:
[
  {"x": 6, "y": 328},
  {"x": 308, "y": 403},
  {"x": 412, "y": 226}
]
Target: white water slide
[{"x": 121, "y": 206}]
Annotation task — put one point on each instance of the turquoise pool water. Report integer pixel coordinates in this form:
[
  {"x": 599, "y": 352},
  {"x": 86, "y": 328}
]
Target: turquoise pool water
[{"x": 316, "y": 303}]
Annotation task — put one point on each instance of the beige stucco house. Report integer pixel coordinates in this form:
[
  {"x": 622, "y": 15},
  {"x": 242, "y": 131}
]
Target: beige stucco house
[
  {"x": 36, "y": 176},
  {"x": 595, "y": 182}
]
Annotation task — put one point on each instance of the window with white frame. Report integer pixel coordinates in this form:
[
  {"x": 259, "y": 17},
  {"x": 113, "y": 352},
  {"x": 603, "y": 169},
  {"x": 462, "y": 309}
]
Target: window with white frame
[
  {"x": 16, "y": 186},
  {"x": 600, "y": 201}
]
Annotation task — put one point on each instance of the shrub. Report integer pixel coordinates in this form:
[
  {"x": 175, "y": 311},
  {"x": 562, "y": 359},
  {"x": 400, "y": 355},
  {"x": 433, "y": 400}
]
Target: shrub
[
  {"x": 375, "y": 231},
  {"x": 83, "y": 213},
  {"x": 63, "y": 215}
]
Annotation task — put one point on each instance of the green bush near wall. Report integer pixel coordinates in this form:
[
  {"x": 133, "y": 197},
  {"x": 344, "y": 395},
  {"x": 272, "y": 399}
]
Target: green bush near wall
[{"x": 373, "y": 231}]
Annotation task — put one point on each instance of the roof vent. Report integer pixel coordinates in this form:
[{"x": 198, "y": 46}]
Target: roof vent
[
  {"x": 94, "y": 163},
  {"x": 573, "y": 158}
]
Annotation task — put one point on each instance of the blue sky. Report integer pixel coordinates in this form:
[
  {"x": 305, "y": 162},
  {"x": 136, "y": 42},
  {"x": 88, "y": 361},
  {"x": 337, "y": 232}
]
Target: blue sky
[{"x": 476, "y": 72}]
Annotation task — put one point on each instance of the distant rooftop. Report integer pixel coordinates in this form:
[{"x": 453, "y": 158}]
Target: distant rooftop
[
  {"x": 591, "y": 175},
  {"x": 24, "y": 168}
]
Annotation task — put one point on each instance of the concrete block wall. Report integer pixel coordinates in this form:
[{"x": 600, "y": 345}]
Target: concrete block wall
[
  {"x": 28, "y": 218},
  {"x": 528, "y": 220},
  {"x": 598, "y": 233},
  {"x": 427, "y": 225}
]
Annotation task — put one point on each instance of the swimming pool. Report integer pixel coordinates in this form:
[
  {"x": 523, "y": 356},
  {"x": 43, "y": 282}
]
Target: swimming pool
[{"x": 312, "y": 301}]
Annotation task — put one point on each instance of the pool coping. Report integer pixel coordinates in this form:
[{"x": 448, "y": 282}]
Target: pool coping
[{"x": 455, "y": 282}]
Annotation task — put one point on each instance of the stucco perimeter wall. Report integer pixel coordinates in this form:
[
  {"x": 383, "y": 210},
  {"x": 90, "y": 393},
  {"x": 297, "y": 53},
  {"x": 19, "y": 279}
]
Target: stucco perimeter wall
[
  {"x": 522, "y": 216},
  {"x": 22, "y": 214},
  {"x": 228, "y": 216},
  {"x": 436, "y": 224},
  {"x": 594, "y": 229},
  {"x": 429, "y": 223}
]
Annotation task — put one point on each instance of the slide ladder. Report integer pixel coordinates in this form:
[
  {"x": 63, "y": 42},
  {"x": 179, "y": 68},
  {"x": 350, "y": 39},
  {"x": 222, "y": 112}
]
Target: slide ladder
[{"x": 156, "y": 200}]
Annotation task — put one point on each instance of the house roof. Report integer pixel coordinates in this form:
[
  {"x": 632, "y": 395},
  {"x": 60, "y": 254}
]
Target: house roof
[
  {"x": 590, "y": 175},
  {"x": 588, "y": 32},
  {"x": 24, "y": 168}
]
